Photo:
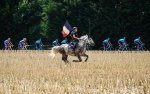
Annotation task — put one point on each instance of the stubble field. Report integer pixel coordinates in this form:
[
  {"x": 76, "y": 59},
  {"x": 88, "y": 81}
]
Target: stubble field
[{"x": 34, "y": 72}]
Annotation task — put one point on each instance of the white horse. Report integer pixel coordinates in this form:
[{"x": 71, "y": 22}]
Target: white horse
[{"x": 80, "y": 50}]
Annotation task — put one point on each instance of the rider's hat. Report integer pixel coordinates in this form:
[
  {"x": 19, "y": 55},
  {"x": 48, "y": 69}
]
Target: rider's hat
[{"x": 74, "y": 28}]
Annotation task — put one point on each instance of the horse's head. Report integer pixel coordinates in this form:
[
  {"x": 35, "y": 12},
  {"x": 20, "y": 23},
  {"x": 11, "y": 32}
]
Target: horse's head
[{"x": 88, "y": 40}]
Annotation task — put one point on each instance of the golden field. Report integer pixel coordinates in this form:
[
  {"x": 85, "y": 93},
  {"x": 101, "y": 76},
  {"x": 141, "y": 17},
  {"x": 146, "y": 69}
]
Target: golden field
[{"x": 34, "y": 72}]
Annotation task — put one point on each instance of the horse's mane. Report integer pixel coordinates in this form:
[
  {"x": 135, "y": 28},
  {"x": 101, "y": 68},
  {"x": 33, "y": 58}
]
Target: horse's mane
[{"x": 83, "y": 37}]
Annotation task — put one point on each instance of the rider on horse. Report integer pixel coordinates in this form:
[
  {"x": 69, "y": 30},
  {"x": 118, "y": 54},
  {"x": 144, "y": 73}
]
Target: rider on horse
[{"x": 74, "y": 38}]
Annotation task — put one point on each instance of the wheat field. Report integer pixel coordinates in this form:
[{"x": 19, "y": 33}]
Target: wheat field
[{"x": 35, "y": 72}]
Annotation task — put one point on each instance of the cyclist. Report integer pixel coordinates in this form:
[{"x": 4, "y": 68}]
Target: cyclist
[
  {"x": 23, "y": 44},
  {"x": 8, "y": 44},
  {"x": 122, "y": 43},
  {"x": 138, "y": 43},
  {"x": 39, "y": 44},
  {"x": 55, "y": 43},
  {"x": 107, "y": 44}
]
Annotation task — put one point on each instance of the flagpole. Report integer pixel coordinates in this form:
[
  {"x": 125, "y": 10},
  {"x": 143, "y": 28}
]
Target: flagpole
[{"x": 89, "y": 26}]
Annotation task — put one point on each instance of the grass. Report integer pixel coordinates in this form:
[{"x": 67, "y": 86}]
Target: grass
[{"x": 34, "y": 72}]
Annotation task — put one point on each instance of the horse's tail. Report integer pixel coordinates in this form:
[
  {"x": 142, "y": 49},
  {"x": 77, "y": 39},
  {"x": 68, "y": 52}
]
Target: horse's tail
[{"x": 54, "y": 51}]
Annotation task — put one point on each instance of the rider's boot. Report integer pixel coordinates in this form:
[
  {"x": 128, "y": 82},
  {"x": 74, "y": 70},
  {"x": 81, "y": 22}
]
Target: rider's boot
[{"x": 74, "y": 49}]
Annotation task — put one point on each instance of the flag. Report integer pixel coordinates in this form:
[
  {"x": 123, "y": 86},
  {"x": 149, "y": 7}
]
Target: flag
[{"x": 67, "y": 28}]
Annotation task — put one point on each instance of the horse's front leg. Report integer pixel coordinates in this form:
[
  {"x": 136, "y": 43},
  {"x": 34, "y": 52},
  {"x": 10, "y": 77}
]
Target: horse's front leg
[
  {"x": 85, "y": 55},
  {"x": 79, "y": 59}
]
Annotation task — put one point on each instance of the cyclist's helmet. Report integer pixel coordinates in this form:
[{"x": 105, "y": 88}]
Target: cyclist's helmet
[
  {"x": 24, "y": 39},
  {"x": 139, "y": 37},
  {"x": 9, "y": 39}
]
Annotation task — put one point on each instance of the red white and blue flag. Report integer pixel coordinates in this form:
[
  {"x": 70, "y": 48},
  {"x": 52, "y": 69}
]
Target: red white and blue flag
[{"x": 67, "y": 28}]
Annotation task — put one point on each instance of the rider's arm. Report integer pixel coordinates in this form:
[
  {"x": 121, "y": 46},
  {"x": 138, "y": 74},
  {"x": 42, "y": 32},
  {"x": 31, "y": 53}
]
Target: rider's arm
[
  {"x": 41, "y": 43},
  {"x": 11, "y": 44},
  {"x": 125, "y": 42},
  {"x": 75, "y": 37},
  {"x": 141, "y": 42},
  {"x": 26, "y": 43},
  {"x": 109, "y": 43}
]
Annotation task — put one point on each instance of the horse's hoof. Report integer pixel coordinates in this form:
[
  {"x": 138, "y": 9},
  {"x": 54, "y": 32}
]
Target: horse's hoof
[
  {"x": 77, "y": 61},
  {"x": 85, "y": 60},
  {"x": 66, "y": 62}
]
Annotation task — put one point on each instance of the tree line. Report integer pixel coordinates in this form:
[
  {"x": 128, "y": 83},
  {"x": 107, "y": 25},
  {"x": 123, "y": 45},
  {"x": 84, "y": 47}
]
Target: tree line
[{"x": 101, "y": 19}]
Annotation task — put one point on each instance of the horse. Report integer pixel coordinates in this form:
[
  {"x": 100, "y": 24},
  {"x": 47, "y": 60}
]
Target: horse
[{"x": 65, "y": 49}]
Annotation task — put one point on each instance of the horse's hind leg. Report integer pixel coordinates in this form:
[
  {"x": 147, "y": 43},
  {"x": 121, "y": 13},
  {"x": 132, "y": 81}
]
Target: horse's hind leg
[
  {"x": 79, "y": 57},
  {"x": 64, "y": 58}
]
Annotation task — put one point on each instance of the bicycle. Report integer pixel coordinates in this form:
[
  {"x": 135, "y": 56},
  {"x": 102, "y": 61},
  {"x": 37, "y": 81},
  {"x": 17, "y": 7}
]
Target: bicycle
[
  {"x": 141, "y": 48},
  {"x": 110, "y": 48},
  {"x": 125, "y": 47},
  {"x": 25, "y": 47},
  {"x": 10, "y": 47}
]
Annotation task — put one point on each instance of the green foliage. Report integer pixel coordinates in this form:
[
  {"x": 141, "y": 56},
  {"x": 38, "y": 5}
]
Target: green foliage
[{"x": 102, "y": 18}]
